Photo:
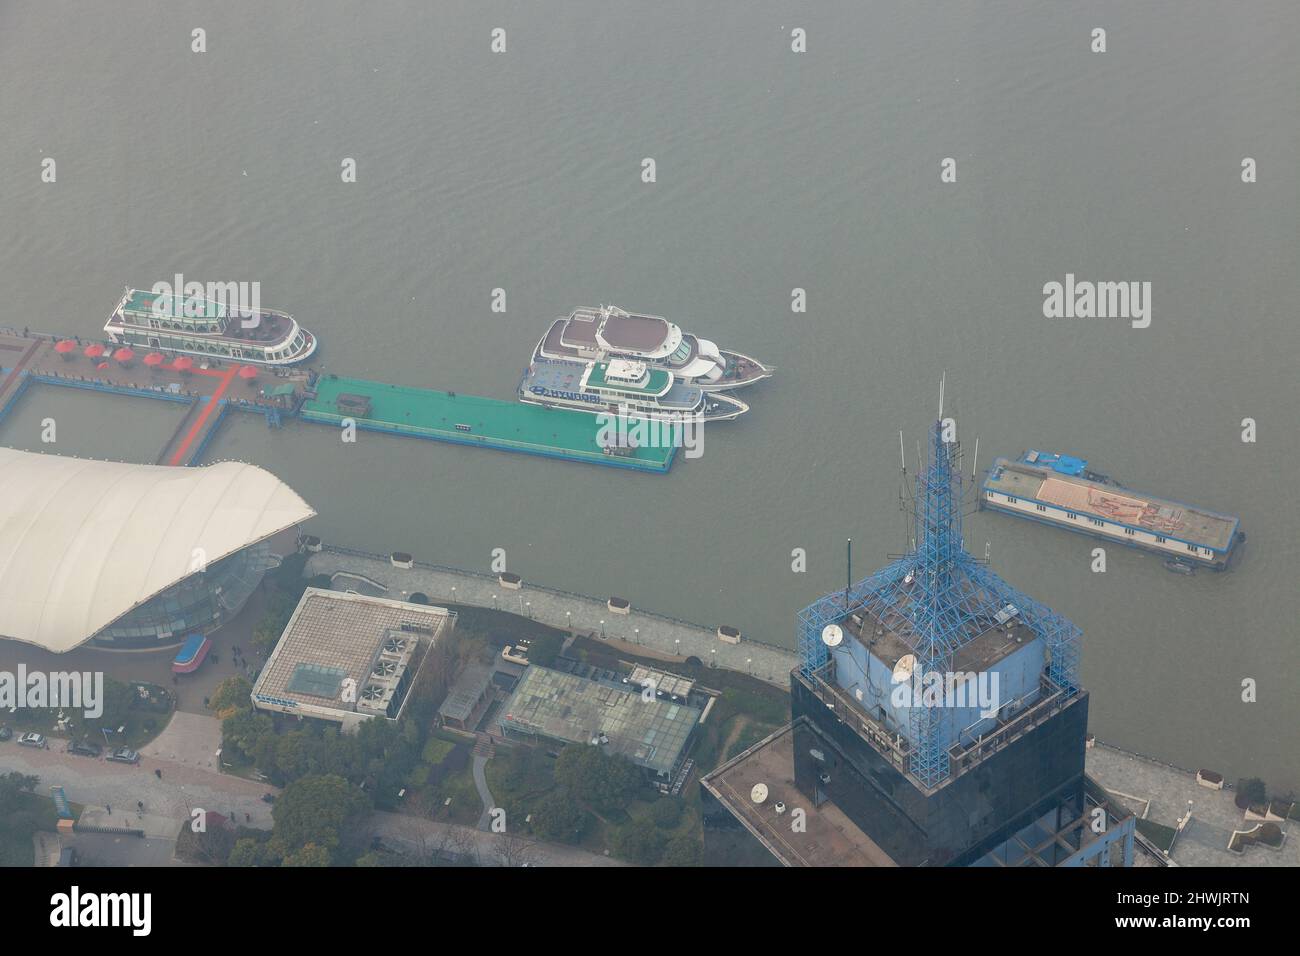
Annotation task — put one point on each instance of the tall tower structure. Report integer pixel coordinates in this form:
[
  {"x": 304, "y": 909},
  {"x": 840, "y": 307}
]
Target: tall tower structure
[{"x": 940, "y": 710}]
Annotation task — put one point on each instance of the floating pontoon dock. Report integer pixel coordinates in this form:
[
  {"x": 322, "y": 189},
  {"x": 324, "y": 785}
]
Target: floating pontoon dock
[
  {"x": 471, "y": 420},
  {"x": 210, "y": 388}
]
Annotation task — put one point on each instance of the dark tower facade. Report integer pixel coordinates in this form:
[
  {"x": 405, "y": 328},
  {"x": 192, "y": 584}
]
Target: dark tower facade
[{"x": 939, "y": 708}]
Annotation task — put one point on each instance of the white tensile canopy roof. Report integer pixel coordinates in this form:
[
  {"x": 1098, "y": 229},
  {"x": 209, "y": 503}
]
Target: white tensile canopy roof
[{"x": 84, "y": 542}]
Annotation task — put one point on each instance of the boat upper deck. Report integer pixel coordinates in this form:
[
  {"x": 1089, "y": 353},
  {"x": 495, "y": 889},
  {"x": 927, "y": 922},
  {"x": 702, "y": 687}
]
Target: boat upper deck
[
  {"x": 565, "y": 337},
  {"x": 264, "y": 327},
  {"x": 619, "y": 330},
  {"x": 1169, "y": 519},
  {"x": 555, "y": 376}
]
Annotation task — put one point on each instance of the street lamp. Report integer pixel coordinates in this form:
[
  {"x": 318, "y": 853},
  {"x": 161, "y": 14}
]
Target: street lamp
[
  {"x": 602, "y": 629},
  {"x": 529, "y": 605},
  {"x": 636, "y": 632}
]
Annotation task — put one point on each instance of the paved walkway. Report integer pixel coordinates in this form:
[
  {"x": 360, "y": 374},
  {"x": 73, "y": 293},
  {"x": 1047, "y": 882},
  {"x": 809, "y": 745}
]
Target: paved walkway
[
  {"x": 675, "y": 639},
  {"x": 1164, "y": 792},
  {"x": 484, "y": 794}
]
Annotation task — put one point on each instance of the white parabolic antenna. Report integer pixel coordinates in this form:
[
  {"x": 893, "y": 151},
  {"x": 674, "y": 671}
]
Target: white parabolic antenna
[
  {"x": 832, "y": 634},
  {"x": 903, "y": 669},
  {"x": 759, "y": 793}
]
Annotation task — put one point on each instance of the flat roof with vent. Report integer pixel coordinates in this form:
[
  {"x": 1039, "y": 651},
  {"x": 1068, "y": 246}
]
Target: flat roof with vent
[{"x": 347, "y": 654}]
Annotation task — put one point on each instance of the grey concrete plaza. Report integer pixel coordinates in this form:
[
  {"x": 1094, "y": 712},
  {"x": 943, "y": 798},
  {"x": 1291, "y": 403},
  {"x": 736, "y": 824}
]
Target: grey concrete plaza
[{"x": 1161, "y": 793}]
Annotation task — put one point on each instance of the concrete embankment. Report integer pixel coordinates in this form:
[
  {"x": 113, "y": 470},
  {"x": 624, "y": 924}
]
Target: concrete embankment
[{"x": 665, "y": 636}]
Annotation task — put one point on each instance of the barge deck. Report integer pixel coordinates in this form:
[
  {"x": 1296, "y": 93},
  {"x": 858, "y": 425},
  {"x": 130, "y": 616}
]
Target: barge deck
[
  {"x": 472, "y": 420},
  {"x": 1058, "y": 490}
]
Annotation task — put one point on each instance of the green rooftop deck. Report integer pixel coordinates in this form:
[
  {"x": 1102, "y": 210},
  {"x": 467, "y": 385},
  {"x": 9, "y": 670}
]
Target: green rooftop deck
[
  {"x": 142, "y": 302},
  {"x": 656, "y": 384},
  {"x": 487, "y": 422}
]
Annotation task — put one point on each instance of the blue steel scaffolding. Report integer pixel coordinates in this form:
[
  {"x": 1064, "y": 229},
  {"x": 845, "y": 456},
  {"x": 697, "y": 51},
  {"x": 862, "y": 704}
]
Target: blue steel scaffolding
[{"x": 937, "y": 598}]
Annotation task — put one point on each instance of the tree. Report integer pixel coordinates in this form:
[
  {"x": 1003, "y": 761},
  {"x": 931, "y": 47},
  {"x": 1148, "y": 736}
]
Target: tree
[
  {"x": 682, "y": 851},
  {"x": 242, "y": 731},
  {"x": 557, "y": 817},
  {"x": 510, "y": 849},
  {"x": 325, "y": 811},
  {"x": 602, "y": 780},
  {"x": 666, "y": 812},
  {"x": 231, "y": 696},
  {"x": 545, "y": 648},
  {"x": 212, "y": 846},
  {"x": 12, "y": 786},
  {"x": 639, "y": 842},
  {"x": 247, "y": 852},
  {"x": 308, "y": 855},
  {"x": 1251, "y": 792}
]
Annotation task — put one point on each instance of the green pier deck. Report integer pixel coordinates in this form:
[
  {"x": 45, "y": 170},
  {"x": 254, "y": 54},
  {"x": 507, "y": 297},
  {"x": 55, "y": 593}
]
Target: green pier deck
[{"x": 492, "y": 423}]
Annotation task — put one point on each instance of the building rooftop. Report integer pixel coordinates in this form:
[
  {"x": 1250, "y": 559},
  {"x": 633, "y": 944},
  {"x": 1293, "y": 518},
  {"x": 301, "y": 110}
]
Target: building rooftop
[
  {"x": 886, "y": 636},
  {"x": 664, "y": 683},
  {"x": 830, "y": 837},
  {"x": 84, "y": 542},
  {"x": 1109, "y": 502},
  {"x": 466, "y": 692},
  {"x": 334, "y": 637},
  {"x": 652, "y": 734}
]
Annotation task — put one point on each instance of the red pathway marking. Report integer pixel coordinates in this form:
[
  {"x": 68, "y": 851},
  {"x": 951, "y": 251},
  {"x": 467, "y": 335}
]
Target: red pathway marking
[{"x": 226, "y": 378}]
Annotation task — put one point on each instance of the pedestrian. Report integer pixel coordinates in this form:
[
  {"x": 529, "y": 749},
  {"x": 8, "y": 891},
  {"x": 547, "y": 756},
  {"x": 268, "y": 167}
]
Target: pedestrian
[
  {"x": 247, "y": 818},
  {"x": 158, "y": 773},
  {"x": 109, "y": 810}
]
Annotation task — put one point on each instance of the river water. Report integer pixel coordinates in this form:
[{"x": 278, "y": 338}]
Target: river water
[{"x": 774, "y": 171}]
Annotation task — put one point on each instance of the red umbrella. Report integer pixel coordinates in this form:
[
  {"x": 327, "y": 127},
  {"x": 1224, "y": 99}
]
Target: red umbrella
[
  {"x": 94, "y": 350},
  {"x": 183, "y": 364},
  {"x": 154, "y": 359},
  {"x": 102, "y": 365},
  {"x": 124, "y": 355},
  {"x": 66, "y": 348},
  {"x": 248, "y": 373}
]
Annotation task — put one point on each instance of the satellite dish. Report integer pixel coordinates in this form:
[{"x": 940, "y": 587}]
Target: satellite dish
[
  {"x": 759, "y": 793},
  {"x": 903, "y": 669},
  {"x": 832, "y": 634}
]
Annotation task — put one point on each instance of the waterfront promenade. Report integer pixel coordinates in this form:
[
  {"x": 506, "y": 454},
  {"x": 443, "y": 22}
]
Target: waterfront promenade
[{"x": 652, "y": 632}]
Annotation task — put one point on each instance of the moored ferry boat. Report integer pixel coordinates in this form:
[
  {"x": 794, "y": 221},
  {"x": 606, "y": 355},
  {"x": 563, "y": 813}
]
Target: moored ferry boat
[
  {"x": 192, "y": 325},
  {"x": 1060, "y": 490},
  {"x": 623, "y": 387},
  {"x": 609, "y": 332}
]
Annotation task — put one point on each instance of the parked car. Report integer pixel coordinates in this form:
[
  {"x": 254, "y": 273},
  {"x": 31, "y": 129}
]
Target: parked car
[
  {"x": 84, "y": 748},
  {"x": 33, "y": 739},
  {"x": 124, "y": 755},
  {"x": 268, "y": 798},
  {"x": 6, "y": 733}
]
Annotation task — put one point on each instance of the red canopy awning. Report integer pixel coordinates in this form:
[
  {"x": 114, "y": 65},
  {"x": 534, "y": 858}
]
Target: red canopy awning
[
  {"x": 66, "y": 346},
  {"x": 248, "y": 373},
  {"x": 183, "y": 364},
  {"x": 94, "y": 350},
  {"x": 154, "y": 359},
  {"x": 124, "y": 354}
]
